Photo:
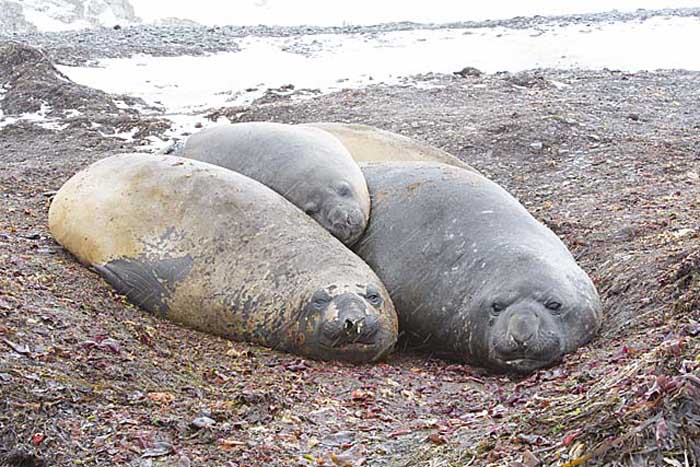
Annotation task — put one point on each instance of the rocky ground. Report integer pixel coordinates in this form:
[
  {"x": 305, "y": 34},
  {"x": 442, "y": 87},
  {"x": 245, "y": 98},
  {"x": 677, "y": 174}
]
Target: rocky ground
[{"x": 609, "y": 160}]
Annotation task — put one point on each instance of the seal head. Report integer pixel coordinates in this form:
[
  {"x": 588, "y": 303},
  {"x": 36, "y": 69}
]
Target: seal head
[
  {"x": 472, "y": 274},
  {"x": 529, "y": 318},
  {"x": 309, "y": 167},
  {"x": 348, "y": 323},
  {"x": 337, "y": 208}
]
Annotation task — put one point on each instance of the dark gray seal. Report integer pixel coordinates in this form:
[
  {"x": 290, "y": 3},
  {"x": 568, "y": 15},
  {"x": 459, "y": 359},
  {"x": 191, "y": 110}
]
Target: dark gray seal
[
  {"x": 472, "y": 274},
  {"x": 219, "y": 252},
  {"x": 308, "y": 166}
]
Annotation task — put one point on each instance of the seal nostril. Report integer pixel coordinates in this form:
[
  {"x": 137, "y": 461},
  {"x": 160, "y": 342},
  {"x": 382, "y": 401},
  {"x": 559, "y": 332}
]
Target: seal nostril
[
  {"x": 521, "y": 336},
  {"x": 349, "y": 326},
  {"x": 355, "y": 217}
]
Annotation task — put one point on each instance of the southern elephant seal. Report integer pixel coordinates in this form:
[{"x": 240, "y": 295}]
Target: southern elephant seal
[
  {"x": 370, "y": 144},
  {"x": 309, "y": 167},
  {"x": 219, "y": 252},
  {"x": 471, "y": 273}
]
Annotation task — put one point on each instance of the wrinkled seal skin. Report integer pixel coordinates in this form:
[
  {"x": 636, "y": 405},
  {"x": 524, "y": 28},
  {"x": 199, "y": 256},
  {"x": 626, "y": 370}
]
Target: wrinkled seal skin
[
  {"x": 370, "y": 144},
  {"x": 219, "y": 252},
  {"x": 309, "y": 167},
  {"x": 472, "y": 274}
]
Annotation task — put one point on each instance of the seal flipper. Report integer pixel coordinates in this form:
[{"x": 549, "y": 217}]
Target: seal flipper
[{"x": 146, "y": 284}]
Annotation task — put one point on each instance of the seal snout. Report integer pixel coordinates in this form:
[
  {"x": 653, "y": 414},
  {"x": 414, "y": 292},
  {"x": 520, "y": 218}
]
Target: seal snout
[
  {"x": 522, "y": 327},
  {"x": 358, "y": 326},
  {"x": 346, "y": 223},
  {"x": 524, "y": 339},
  {"x": 355, "y": 324}
]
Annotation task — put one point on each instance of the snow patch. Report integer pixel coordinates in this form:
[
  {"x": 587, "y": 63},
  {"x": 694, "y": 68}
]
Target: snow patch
[
  {"x": 72, "y": 113},
  {"x": 127, "y": 136},
  {"x": 46, "y": 22},
  {"x": 3, "y": 90},
  {"x": 65, "y": 15},
  {"x": 181, "y": 127},
  {"x": 39, "y": 118}
]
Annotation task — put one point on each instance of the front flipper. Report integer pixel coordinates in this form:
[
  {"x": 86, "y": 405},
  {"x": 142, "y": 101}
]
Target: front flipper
[{"x": 147, "y": 284}]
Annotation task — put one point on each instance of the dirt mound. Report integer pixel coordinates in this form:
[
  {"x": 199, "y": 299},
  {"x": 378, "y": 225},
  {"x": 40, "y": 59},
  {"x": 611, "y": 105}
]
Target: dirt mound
[{"x": 30, "y": 83}]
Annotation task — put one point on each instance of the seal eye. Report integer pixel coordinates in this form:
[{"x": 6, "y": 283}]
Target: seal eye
[
  {"x": 554, "y": 306},
  {"x": 497, "y": 307},
  {"x": 320, "y": 299},
  {"x": 344, "y": 190},
  {"x": 311, "y": 208},
  {"x": 374, "y": 298}
]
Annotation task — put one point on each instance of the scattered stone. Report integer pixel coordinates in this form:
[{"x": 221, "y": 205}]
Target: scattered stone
[
  {"x": 203, "y": 422},
  {"x": 159, "y": 449},
  {"x": 469, "y": 71},
  {"x": 530, "y": 460}
]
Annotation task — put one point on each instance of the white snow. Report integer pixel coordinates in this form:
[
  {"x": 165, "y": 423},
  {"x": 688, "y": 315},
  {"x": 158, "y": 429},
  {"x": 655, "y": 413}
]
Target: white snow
[
  {"x": 125, "y": 135},
  {"x": 187, "y": 85},
  {"x": 46, "y": 15},
  {"x": 40, "y": 117},
  {"x": 62, "y": 15},
  {"x": 327, "y": 12},
  {"x": 181, "y": 125},
  {"x": 3, "y": 91},
  {"x": 72, "y": 113}
]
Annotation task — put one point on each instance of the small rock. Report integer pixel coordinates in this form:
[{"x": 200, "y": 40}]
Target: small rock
[
  {"x": 159, "y": 449},
  {"x": 469, "y": 71},
  {"x": 198, "y": 125},
  {"x": 683, "y": 232},
  {"x": 537, "y": 145},
  {"x": 203, "y": 422},
  {"x": 633, "y": 117},
  {"x": 530, "y": 460},
  {"x": 22, "y": 458}
]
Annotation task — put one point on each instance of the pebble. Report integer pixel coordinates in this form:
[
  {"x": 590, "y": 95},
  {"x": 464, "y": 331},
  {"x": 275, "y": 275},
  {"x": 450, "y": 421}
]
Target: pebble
[{"x": 203, "y": 422}]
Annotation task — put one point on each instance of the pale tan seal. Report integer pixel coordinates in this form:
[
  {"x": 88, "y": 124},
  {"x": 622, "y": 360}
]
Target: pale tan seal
[
  {"x": 219, "y": 252},
  {"x": 370, "y": 144}
]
